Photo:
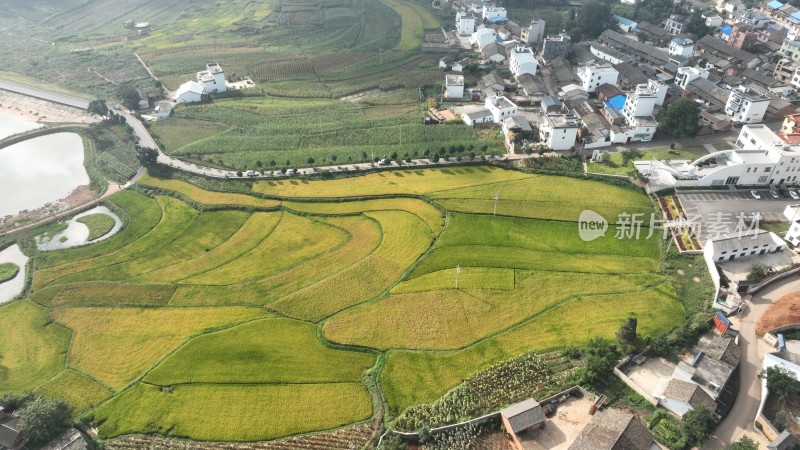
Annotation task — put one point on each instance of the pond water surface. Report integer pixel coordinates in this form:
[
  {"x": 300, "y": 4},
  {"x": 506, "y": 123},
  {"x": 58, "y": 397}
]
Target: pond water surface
[
  {"x": 77, "y": 233},
  {"x": 14, "y": 286},
  {"x": 39, "y": 171},
  {"x": 12, "y": 125}
]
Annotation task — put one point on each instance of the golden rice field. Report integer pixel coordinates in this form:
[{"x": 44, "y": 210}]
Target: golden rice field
[{"x": 294, "y": 297}]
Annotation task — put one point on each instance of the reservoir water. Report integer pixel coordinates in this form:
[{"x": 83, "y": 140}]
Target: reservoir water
[
  {"x": 12, "y": 125},
  {"x": 39, "y": 171}
]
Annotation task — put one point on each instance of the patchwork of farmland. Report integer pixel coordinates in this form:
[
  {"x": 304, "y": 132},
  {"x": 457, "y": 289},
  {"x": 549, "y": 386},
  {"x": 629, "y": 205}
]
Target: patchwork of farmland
[
  {"x": 331, "y": 307},
  {"x": 266, "y": 133}
]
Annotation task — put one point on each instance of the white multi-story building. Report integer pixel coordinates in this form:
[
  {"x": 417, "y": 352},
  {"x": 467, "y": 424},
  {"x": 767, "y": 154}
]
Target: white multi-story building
[
  {"x": 522, "y": 61},
  {"x": 796, "y": 78},
  {"x": 500, "y": 107},
  {"x": 597, "y": 74},
  {"x": 713, "y": 20},
  {"x": 686, "y": 75},
  {"x": 791, "y": 214},
  {"x": 212, "y": 79},
  {"x": 494, "y": 13},
  {"x": 465, "y": 24},
  {"x": 681, "y": 47},
  {"x": 533, "y": 33},
  {"x": 454, "y": 86},
  {"x": 746, "y": 106},
  {"x": 762, "y": 157},
  {"x": 483, "y": 37},
  {"x": 558, "y": 131}
]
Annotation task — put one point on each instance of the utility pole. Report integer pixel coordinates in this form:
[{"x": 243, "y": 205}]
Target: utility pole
[
  {"x": 496, "y": 198},
  {"x": 380, "y": 55},
  {"x": 458, "y": 271},
  {"x": 401, "y": 136}
]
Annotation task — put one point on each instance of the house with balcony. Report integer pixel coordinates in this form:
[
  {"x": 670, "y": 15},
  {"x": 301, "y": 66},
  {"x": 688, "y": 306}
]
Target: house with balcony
[
  {"x": 746, "y": 106},
  {"x": 596, "y": 75},
  {"x": 522, "y": 61},
  {"x": 558, "y": 131}
]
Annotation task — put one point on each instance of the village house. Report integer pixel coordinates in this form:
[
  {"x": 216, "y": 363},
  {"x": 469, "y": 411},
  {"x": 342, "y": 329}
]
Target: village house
[
  {"x": 746, "y": 106},
  {"x": 626, "y": 25},
  {"x": 189, "y": 92},
  {"x": 638, "y": 50},
  {"x": 555, "y": 46},
  {"x": 500, "y": 107},
  {"x": 749, "y": 244},
  {"x": 212, "y": 79},
  {"x": 686, "y": 75},
  {"x": 491, "y": 83},
  {"x": 10, "y": 437},
  {"x": 676, "y": 24},
  {"x": 483, "y": 37},
  {"x": 654, "y": 33},
  {"x": 163, "y": 110},
  {"x": 558, "y": 131},
  {"x": 595, "y": 75},
  {"x": 681, "y": 397},
  {"x": 613, "y": 429},
  {"x": 521, "y": 419},
  {"x": 454, "y": 86},
  {"x": 465, "y": 23},
  {"x": 494, "y": 14},
  {"x": 533, "y": 87},
  {"x": 522, "y": 61},
  {"x": 681, "y": 46},
  {"x": 607, "y": 53},
  {"x": 533, "y": 33},
  {"x": 494, "y": 52}
]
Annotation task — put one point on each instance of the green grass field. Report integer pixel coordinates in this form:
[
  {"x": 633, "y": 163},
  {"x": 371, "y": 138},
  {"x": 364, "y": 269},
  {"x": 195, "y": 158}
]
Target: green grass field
[
  {"x": 613, "y": 163},
  {"x": 99, "y": 225},
  {"x": 236, "y": 307}
]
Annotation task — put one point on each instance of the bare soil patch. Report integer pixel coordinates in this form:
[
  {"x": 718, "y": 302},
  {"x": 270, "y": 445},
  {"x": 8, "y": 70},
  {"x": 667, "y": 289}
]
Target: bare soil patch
[{"x": 785, "y": 311}]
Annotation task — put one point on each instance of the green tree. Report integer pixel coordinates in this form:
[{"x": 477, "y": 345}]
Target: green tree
[
  {"x": 41, "y": 420},
  {"x": 631, "y": 154},
  {"x": 626, "y": 336},
  {"x": 128, "y": 95},
  {"x": 97, "y": 108},
  {"x": 780, "y": 383},
  {"x": 744, "y": 443},
  {"x": 13, "y": 401},
  {"x": 698, "y": 424},
  {"x": 148, "y": 157},
  {"x": 679, "y": 119},
  {"x": 593, "y": 18},
  {"x": 310, "y": 161},
  {"x": 601, "y": 357},
  {"x": 758, "y": 273}
]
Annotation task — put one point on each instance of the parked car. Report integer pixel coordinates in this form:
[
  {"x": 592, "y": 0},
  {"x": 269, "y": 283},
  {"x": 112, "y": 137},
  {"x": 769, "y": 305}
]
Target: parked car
[
  {"x": 290, "y": 172},
  {"x": 794, "y": 195},
  {"x": 755, "y": 194},
  {"x": 384, "y": 162},
  {"x": 774, "y": 194},
  {"x": 252, "y": 173}
]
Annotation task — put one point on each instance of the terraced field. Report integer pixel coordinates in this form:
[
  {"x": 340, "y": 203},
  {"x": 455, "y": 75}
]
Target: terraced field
[{"x": 301, "y": 295}]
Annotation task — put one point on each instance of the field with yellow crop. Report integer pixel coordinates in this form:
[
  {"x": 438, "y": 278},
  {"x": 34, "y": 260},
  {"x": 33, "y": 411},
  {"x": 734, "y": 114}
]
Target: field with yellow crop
[{"x": 311, "y": 296}]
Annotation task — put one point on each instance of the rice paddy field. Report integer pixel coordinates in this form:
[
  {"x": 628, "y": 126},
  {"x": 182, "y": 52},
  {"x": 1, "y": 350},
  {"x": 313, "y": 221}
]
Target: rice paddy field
[{"x": 326, "y": 300}]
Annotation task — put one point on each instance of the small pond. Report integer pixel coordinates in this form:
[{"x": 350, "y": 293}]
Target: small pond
[
  {"x": 13, "y": 287},
  {"x": 77, "y": 233}
]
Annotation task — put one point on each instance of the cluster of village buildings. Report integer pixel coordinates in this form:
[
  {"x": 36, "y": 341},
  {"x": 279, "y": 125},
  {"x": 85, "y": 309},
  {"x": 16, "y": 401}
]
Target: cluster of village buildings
[{"x": 609, "y": 91}]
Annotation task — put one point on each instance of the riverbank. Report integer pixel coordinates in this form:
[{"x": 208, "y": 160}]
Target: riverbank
[{"x": 42, "y": 111}]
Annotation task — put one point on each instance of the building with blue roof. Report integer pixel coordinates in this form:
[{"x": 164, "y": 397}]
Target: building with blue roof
[
  {"x": 726, "y": 30},
  {"x": 774, "y": 4},
  {"x": 617, "y": 102},
  {"x": 626, "y": 25}
]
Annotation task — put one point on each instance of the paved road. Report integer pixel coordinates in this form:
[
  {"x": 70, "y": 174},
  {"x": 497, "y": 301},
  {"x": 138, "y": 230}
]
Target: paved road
[
  {"x": 146, "y": 140},
  {"x": 54, "y": 97},
  {"x": 740, "y": 419}
]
